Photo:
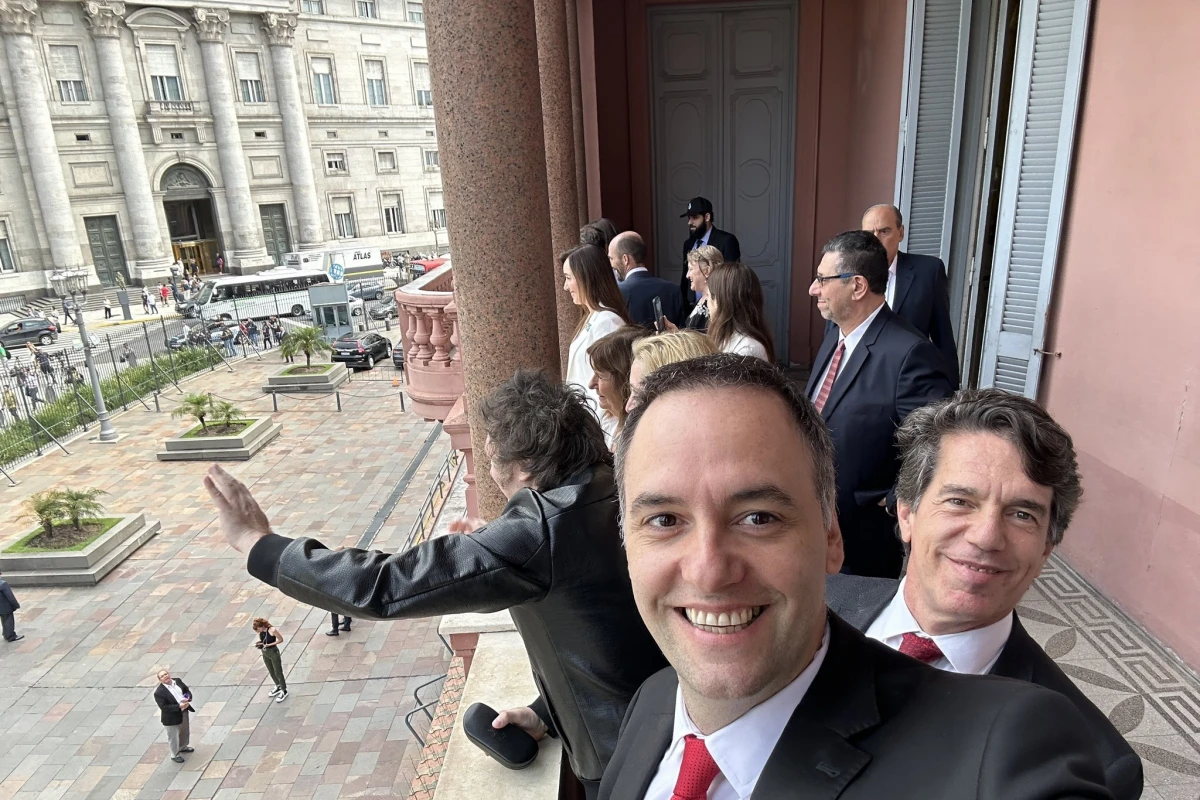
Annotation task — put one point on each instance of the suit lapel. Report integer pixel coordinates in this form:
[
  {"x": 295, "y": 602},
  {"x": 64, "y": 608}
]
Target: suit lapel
[
  {"x": 904, "y": 281},
  {"x": 813, "y": 757},
  {"x": 649, "y": 741},
  {"x": 823, "y": 356},
  {"x": 1014, "y": 661},
  {"x": 849, "y": 370}
]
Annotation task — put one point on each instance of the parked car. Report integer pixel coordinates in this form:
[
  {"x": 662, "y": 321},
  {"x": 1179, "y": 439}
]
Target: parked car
[
  {"x": 385, "y": 310},
  {"x": 31, "y": 329},
  {"x": 398, "y": 355},
  {"x": 357, "y": 306},
  {"x": 365, "y": 288},
  {"x": 361, "y": 349}
]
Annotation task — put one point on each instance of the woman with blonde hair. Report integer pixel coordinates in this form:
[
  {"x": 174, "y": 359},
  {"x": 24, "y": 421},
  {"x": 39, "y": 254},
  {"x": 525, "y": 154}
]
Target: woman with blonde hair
[
  {"x": 655, "y": 352},
  {"x": 588, "y": 278},
  {"x": 737, "y": 323},
  {"x": 611, "y": 359},
  {"x": 700, "y": 264},
  {"x": 269, "y": 639}
]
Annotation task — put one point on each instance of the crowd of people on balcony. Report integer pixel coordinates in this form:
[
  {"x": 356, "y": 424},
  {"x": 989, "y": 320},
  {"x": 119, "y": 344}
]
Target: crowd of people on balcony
[{"x": 732, "y": 586}]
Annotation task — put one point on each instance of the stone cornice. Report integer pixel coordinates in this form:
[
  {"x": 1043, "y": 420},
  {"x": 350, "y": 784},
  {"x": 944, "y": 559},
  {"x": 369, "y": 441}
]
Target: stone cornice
[
  {"x": 104, "y": 18},
  {"x": 211, "y": 24},
  {"x": 280, "y": 29},
  {"x": 16, "y": 16}
]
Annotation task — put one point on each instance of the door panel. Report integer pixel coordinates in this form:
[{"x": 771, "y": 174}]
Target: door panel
[
  {"x": 108, "y": 255},
  {"x": 275, "y": 231}
]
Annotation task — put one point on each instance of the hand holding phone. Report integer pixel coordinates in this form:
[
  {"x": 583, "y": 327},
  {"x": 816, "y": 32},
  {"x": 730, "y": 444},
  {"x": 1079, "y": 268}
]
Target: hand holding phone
[{"x": 659, "y": 321}]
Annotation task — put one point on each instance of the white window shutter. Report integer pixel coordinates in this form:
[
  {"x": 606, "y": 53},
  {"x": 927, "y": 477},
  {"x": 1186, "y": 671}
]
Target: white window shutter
[
  {"x": 161, "y": 59},
  {"x": 64, "y": 63},
  {"x": 927, "y": 167},
  {"x": 248, "y": 67},
  {"x": 1051, "y": 39}
]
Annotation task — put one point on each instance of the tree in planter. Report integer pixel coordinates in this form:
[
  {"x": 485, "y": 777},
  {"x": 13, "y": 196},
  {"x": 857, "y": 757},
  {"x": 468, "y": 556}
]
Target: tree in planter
[
  {"x": 195, "y": 405},
  {"x": 80, "y": 506},
  {"x": 308, "y": 341},
  {"x": 47, "y": 508},
  {"x": 225, "y": 414}
]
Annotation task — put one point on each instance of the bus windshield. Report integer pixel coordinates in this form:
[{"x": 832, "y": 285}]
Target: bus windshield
[{"x": 205, "y": 293}]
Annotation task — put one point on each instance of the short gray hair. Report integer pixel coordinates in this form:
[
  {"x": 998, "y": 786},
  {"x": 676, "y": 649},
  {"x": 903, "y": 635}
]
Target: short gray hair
[
  {"x": 729, "y": 371},
  {"x": 1047, "y": 452}
]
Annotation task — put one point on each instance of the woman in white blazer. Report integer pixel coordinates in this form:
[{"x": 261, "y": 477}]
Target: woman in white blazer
[
  {"x": 737, "y": 323},
  {"x": 588, "y": 278}
]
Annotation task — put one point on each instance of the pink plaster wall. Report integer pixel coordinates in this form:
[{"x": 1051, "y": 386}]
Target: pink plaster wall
[{"x": 1126, "y": 319}]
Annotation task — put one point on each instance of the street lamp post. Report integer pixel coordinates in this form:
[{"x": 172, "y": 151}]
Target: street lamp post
[{"x": 70, "y": 282}]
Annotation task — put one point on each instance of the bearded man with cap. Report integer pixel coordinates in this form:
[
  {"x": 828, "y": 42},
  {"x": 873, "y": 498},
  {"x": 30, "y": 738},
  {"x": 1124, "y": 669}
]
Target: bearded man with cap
[{"x": 702, "y": 231}]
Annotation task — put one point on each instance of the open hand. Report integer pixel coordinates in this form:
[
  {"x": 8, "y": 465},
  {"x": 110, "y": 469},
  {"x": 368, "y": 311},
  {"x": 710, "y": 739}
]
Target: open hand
[
  {"x": 242, "y": 520},
  {"x": 467, "y": 525},
  {"x": 524, "y": 718}
]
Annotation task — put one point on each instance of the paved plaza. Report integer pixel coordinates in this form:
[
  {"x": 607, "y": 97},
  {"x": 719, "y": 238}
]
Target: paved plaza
[{"x": 75, "y": 694}]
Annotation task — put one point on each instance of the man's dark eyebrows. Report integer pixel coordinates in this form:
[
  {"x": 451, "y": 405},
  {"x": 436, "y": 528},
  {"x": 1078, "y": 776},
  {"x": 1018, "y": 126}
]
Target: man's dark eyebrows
[
  {"x": 1031, "y": 505},
  {"x": 767, "y": 492},
  {"x": 652, "y": 500},
  {"x": 953, "y": 489}
]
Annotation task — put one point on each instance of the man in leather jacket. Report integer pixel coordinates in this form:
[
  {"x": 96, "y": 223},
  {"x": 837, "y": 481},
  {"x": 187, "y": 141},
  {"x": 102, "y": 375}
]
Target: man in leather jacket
[{"x": 554, "y": 557}]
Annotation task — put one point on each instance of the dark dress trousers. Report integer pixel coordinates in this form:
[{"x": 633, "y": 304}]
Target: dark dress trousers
[
  {"x": 554, "y": 559},
  {"x": 892, "y": 371},
  {"x": 639, "y": 291},
  {"x": 876, "y": 724},
  {"x": 859, "y": 601},
  {"x": 169, "y": 711},
  {"x": 724, "y": 241}
]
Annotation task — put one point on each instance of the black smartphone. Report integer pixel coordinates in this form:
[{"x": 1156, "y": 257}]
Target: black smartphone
[{"x": 659, "y": 321}]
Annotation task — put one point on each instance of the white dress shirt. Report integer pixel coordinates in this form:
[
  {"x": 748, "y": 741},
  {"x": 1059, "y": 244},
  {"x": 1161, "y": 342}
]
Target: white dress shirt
[
  {"x": 851, "y": 341},
  {"x": 742, "y": 747},
  {"x": 579, "y": 367},
  {"x": 175, "y": 691},
  {"x": 890, "y": 295},
  {"x": 636, "y": 269},
  {"x": 970, "y": 653},
  {"x": 743, "y": 345}
]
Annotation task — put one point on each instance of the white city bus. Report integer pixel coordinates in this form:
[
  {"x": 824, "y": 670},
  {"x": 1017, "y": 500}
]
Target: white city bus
[{"x": 280, "y": 291}]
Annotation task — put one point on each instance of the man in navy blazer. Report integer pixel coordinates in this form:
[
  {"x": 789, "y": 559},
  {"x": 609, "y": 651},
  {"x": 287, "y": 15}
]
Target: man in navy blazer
[
  {"x": 627, "y": 254},
  {"x": 917, "y": 289},
  {"x": 702, "y": 231},
  {"x": 873, "y": 368}
]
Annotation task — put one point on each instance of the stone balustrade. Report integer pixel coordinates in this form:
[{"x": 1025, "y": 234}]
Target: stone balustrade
[{"x": 429, "y": 329}]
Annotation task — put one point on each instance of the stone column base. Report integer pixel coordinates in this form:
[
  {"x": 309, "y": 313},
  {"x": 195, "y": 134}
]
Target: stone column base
[
  {"x": 247, "y": 262},
  {"x": 146, "y": 272}
]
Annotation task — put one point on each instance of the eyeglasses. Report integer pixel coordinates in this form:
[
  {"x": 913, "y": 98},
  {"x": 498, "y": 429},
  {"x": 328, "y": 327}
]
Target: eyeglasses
[{"x": 821, "y": 280}]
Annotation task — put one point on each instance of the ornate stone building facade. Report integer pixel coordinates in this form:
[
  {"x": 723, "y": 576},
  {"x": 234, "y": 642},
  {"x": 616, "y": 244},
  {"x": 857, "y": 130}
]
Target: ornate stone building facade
[{"x": 132, "y": 135}]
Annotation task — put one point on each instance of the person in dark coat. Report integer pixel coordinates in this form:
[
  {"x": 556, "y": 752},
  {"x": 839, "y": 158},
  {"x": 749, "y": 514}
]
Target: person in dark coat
[
  {"x": 627, "y": 254},
  {"x": 8, "y": 605},
  {"x": 701, "y": 231},
  {"x": 174, "y": 700}
]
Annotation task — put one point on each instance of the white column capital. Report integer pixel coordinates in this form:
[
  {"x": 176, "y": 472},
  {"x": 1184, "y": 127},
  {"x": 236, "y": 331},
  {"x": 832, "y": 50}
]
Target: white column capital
[
  {"x": 211, "y": 24},
  {"x": 104, "y": 17},
  {"x": 280, "y": 29},
  {"x": 16, "y": 16}
]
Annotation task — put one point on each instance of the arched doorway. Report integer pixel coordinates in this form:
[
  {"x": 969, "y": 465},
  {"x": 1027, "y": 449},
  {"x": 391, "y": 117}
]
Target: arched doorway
[{"x": 191, "y": 220}]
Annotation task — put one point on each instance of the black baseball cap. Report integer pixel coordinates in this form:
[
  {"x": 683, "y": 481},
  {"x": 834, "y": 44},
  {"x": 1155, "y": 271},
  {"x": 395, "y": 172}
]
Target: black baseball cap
[{"x": 697, "y": 207}]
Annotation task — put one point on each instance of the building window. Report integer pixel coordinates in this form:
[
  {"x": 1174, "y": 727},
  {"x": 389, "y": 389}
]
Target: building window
[
  {"x": 437, "y": 211},
  {"x": 260, "y": 134},
  {"x": 312, "y": 6},
  {"x": 323, "y": 87},
  {"x": 393, "y": 214},
  {"x": 176, "y": 136},
  {"x": 6, "y": 259},
  {"x": 83, "y": 137},
  {"x": 162, "y": 64},
  {"x": 335, "y": 162},
  {"x": 416, "y": 12},
  {"x": 330, "y": 134},
  {"x": 343, "y": 218},
  {"x": 421, "y": 84},
  {"x": 376, "y": 82},
  {"x": 366, "y": 8},
  {"x": 383, "y": 134},
  {"x": 432, "y": 164},
  {"x": 250, "y": 82},
  {"x": 67, "y": 70},
  {"x": 385, "y": 161}
]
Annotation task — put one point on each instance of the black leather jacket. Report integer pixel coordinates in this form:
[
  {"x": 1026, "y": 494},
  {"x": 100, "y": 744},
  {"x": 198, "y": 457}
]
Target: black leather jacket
[{"x": 554, "y": 558}]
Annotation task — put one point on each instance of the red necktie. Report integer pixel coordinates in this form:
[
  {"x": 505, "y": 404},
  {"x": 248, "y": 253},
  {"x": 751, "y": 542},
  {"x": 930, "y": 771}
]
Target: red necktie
[
  {"x": 830, "y": 377},
  {"x": 696, "y": 773},
  {"x": 920, "y": 648}
]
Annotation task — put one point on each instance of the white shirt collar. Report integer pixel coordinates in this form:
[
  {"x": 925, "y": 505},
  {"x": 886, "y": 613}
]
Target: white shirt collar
[
  {"x": 892, "y": 266},
  {"x": 636, "y": 269},
  {"x": 851, "y": 340},
  {"x": 970, "y": 652},
  {"x": 742, "y": 747},
  {"x": 175, "y": 690}
]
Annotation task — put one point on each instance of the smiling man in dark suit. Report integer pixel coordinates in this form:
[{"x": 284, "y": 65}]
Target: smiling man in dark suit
[
  {"x": 701, "y": 231},
  {"x": 988, "y": 486},
  {"x": 729, "y": 537},
  {"x": 627, "y": 254},
  {"x": 917, "y": 289},
  {"x": 872, "y": 369}
]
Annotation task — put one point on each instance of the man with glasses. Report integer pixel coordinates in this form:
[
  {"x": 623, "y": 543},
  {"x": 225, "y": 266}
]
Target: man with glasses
[{"x": 873, "y": 368}]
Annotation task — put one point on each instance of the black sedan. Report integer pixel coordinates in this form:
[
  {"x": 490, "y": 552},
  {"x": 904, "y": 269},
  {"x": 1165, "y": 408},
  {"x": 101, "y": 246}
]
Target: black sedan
[
  {"x": 361, "y": 350},
  {"x": 398, "y": 355}
]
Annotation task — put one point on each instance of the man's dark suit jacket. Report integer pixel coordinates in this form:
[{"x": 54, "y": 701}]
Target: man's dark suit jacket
[
  {"x": 892, "y": 371},
  {"x": 876, "y": 724},
  {"x": 860, "y": 600},
  {"x": 170, "y": 712},
  {"x": 724, "y": 241},
  {"x": 639, "y": 291},
  {"x": 8, "y": 600}
]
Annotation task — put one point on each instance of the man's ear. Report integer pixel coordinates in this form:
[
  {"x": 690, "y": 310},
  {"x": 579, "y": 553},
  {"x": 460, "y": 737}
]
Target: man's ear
[
  {"x": 835, "y": 552},
  {"x": 904, "y": 516}
]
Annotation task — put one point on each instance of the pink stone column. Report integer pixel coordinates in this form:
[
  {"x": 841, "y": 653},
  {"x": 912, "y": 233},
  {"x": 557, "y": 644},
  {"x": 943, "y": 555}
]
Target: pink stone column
[
  {"x": 577, "y": 109},
  {"x": 558, "y": 121},
  {"x": 484, "y": 64}
]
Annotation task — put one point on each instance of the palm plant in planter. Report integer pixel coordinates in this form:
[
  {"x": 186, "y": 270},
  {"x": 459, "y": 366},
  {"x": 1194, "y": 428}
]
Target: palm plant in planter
[
  {"x": 196, "y": 406},
  {"x": 309, "y": 340},
  {"x": 81, "y": 505},
  {"x": 225, "y": 416},
  {"x": 46, "y": 508},
  {"x": 67, "y": 519}
]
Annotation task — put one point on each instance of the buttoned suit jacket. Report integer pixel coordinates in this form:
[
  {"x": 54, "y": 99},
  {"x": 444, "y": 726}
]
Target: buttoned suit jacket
[
  {"x": 859, "y": 601},
  {"x": 639, "y": 291},
  {"x": 876, "y": 724},
  {"x": 892, "y": 371}
]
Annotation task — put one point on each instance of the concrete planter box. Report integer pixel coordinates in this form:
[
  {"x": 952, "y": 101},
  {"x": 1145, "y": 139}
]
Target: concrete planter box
[
  {"x": 222, "y": 448},
  {"x": 325, "y": 382},
  {"x": 84, "y": 567}
]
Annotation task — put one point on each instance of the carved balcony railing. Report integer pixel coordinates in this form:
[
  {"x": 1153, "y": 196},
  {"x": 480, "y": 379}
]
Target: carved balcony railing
[
  {"x": 429, "y": 329},
  {"x": 156, "y": 107}
]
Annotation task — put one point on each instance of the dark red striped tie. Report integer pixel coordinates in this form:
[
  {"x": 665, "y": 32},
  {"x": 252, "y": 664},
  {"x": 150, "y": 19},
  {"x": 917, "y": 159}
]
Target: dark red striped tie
[{"x": 830, "y": 377}]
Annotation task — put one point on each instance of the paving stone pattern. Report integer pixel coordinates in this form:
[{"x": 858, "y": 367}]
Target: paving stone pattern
[{"x": 75, "y": 699}]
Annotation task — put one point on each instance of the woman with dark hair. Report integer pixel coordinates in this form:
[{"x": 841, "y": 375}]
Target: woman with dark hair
[
  {"x": 735, "y": 307},
  {"x": 598, "y": 233},
  {"x": 588, "y": 278},
  {"x": 611, "y": 358}
]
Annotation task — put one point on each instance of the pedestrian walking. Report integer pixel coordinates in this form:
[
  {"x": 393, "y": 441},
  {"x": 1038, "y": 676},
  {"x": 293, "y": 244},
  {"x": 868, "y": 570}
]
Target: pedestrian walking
[
  {"x": 67, "y": 311},
  {"x": 163, "y": 292},
  {"x": 44, "y": 364},
  {"x": 8, "y": 604},
  {"x": 227, "y": 337},
  {"x": 269, "y": 639},
  {"x": 345, "y": 624},
  {"x": 128, "y": 356},
  {"x": 220, "y": 263},
  {"x": 266, "y": 335},
  {"x": 252, "y": 329},
  {"x": 153, "y": 299},
  {"x": 107, "y": 308},
  {"x": 145, "y": 300},
  {"x": 174, "y": 700},
  {"x": 29, "y": 381}
]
